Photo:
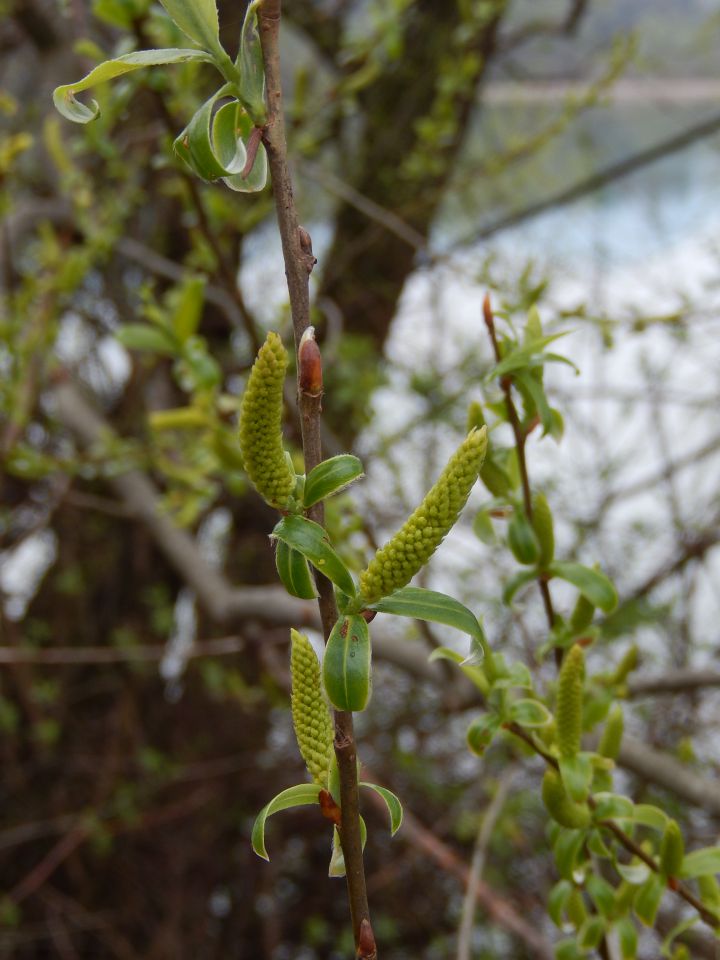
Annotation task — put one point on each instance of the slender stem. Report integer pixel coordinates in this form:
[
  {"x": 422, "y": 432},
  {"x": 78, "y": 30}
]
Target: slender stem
[
  {"x": 297, "y": 254},
  {"x": 520, "y": 438},
  {"x": 623, "y": 838}
]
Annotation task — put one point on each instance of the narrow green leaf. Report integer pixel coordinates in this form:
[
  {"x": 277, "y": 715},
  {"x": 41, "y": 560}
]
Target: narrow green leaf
[
  {"x": 577, "y": 774},
  {"x": 198, "y": 19},
  {"x": 537, "y": 393},
  {"x": 592, "y": 584},
  {"x": 72, "y": 109},
  {"x": 521, "y": 357},
  {"x": 648, "y": 816},
  {"x": 666, "y": 947},
  {"x": 141, "y": 336},
  {"x": 568, "y": 852},
  {"x": 483, "y": 527},
  {"x": 347, "y": 664},
  {"x": 330, "y": 477},
  {"x": 312, "y": 542},
  {"x": 473, "y": 673},
  {"x": 391, "y": 801},
  {"x": 197, "y": 145},
  {"x": 188, "y": 307},
  {"x": 529, "y": 713},
  {"x": 515, "y": 583},
  {"x": 557, "y": 899},
  {"x": 591, "y": 933},
  {"x": 292, "y": 568},
  {"x": 610, "y": 806},
  {"x": 647, "y": 900},
  {"x": 432, "y": 606},
  {"x": 633, "y": 873},
  {"x": 481, "y": 732},
  {"x": 701, "y": 862},
  {"x": 252, "y": 70},
  {"x": 337, "y": 860},
  {"x": 300, "y": 795},
  {"x": 602, "y": 894},
  {"x": 627, "y": 938}
]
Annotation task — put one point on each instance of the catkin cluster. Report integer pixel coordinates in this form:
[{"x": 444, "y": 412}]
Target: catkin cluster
[
  {"x": 260, "y": 424},
  {"x": 311, "y": 717},
  {"x": 409, "y": 550}
]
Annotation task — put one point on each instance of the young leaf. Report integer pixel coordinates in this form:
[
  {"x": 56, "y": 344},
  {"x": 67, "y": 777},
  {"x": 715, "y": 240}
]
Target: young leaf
[
  {"x": 72, "y": 109},
  {"x": 346, "y": 664},
  {"x": 337, "y": 860},
  {"x": 141, "y": 336},
  {"x": 516, "y": 583},
  {"x": 187, "y": 311},
  {"x": 647, "y": 899},
  {"x": 649, "y": 816},
  {"x": 473, "y": 673},
  {"x": 529, "y": 713},
  {"x": 232, "y": 124},
  {"x": 591, "y": 933},
  {"x": 701, "y": 862},
  {"x": 392, "y": 802},
  {"x": 300, "y": 795},
  {"x": 577, "y": 773},
  {"x": 292, "y": 568},
  {"x": 250, "y": 62},
  {"x": 330, "y": 477},
  {"x": 197, "y": 145},
  {"x": 627, "y": 938},
  {"x": 481, "y": 732},
  {"x": 432, "y": 606},
  {"x": 198, "y": 19},
  {"x": 312, "y": 542},
  {"x": 609, "y": 806},
  {"x": 593, "y": 585},
  {"x": 523, "y": 357}
]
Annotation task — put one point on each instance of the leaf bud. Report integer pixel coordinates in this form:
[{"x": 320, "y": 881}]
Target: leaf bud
[
  {"x": 582, "y": 615},
  {"x": 626, "y": 665},
  {"x": 310, "y": 379},
  {"x": 522, "y": 538},
  {"x": 475, "y": 416}
]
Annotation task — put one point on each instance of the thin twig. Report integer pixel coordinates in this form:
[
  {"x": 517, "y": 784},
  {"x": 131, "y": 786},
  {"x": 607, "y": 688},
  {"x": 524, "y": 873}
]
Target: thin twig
[
  {"x": 298, "y": 258},
  {"x": 477, "y": 865}
]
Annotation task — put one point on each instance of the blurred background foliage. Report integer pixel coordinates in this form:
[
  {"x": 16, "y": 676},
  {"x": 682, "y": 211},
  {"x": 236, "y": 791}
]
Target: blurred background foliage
[{"x": 560, "y": 152}]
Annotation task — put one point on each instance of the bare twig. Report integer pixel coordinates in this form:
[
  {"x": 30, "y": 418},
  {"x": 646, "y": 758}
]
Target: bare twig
[
  {"x": 684, "y": 680},
  {"x": 297, "y": 254},
  {"x": 477, "y": 865}
]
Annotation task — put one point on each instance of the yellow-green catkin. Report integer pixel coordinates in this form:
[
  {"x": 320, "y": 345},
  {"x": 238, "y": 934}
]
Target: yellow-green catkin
[
  {"x": 261, "y": 424},
  {"x": 560, "y": 806},
  {"x": 395, "y": 564},
  {"x": 542, "y": 522},
  {"x": 311, "y": 717},
  {"x": 612, "y": 734},
  {"x": 568, "y": 712},
  {"x": 626, "y": 665},
  {"x": 672, "y": 849}
]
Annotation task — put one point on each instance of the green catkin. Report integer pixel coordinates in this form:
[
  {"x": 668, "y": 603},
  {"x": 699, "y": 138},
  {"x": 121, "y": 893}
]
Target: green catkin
[
  {"x": 568, "y": 712},
  {"x": 672, "y": 850},
  {"x": 612, "y": 734},
  {"x": 407, "y": 552},
  {"x": 560, "y": 806},
  {"x": 626, "y": 665},
  {"x": 542, "y": 522},
  {"x": 310, "y": 714},
  {"x": 261, "y": 424}
]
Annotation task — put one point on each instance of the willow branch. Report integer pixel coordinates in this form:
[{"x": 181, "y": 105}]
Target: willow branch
[
  {"x": 626, "y": 841},
  {"x": 299, "y": 261}
]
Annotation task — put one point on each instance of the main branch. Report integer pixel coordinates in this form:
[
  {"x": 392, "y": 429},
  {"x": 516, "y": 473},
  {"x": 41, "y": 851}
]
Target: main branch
[{"x": 299, "y": 261}]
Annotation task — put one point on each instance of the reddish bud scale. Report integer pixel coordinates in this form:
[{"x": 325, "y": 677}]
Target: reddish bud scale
[
  {"x": 329, "y": 809},
  {"x": 310, "y": 380}
]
